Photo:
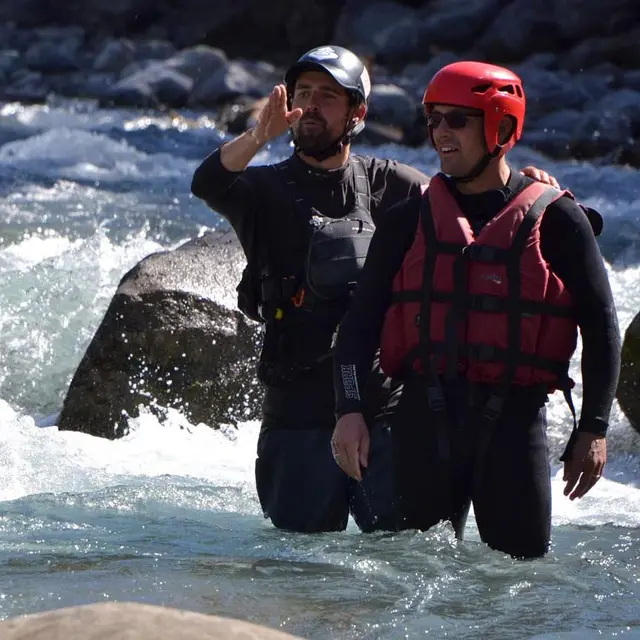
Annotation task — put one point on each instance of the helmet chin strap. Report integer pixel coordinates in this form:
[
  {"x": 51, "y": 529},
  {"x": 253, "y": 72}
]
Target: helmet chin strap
[{"x": 479, "y": 169}]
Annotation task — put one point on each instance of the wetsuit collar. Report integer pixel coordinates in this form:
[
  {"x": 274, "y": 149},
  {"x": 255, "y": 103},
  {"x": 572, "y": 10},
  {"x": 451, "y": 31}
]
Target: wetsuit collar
[
  {"x": 301, "y": 168},
  {"x": 479, "y": 208}
]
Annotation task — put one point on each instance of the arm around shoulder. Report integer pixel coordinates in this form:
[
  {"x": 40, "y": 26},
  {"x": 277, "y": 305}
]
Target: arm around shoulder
[{"x": 571, "y": 248}]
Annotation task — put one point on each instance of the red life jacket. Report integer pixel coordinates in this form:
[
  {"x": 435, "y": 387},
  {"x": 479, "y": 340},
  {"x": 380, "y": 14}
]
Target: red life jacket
[{"x": 490, "y": 306}]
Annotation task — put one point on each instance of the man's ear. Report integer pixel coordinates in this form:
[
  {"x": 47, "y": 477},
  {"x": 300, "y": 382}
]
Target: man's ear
[
  {"x": 359, "y": 113},
  {"x": 506, "y": 129}
]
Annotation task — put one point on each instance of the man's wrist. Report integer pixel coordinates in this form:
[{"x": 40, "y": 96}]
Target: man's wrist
[
  {"x": 349, "y": 407},
  {"x": 595, "y": 426},
  {"x": 255, "y": 138}
]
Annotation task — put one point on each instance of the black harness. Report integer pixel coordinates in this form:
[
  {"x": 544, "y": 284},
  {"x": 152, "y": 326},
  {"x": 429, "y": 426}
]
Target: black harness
[{"x": 320, "y": 292}]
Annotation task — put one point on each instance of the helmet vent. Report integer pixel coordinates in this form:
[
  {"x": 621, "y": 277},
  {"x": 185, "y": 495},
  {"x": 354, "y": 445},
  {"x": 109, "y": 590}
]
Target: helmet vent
[
  {"x": 507, "y": 88},
  {"x": 481, "y": 88}
]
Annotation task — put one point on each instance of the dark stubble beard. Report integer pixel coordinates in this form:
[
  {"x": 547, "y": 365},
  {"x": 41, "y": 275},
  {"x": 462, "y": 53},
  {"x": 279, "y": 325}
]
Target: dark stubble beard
[{"x": 316, "y": 140}]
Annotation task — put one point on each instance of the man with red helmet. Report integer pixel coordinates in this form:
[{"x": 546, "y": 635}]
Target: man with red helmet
[{"x": 474, "y": 292}]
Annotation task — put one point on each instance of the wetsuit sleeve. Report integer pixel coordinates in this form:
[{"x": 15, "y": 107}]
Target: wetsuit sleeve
[
  {"x": 359, "y": 333},
  {"x": 570, "y": 247},
  {"x": 229, "y": 193}
]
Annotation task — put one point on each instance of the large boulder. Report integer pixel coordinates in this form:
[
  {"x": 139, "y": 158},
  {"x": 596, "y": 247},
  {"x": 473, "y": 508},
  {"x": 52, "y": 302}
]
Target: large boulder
[
  {"x": 124, "y": 620},
  {"x": 522, "y": 27},
  {"x": 171, "y": 338},
  {"x": 628, "y": 393}
]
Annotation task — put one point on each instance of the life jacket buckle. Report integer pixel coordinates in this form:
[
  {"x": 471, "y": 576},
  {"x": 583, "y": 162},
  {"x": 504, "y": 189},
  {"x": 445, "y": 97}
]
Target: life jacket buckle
[
  {"x": 435, "y": 397},
  {"x": 493, "y": 408}
]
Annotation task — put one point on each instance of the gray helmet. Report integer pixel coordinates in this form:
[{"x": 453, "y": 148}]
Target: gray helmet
[{"x": 344, "y": 66}]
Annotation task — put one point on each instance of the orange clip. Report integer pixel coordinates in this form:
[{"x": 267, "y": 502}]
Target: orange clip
[{"x": 298, "y": 299}]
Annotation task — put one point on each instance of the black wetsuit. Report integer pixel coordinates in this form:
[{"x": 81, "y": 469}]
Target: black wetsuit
[
  {"x": 300, "y": 486},
  {"x": 512, "y": 498}
]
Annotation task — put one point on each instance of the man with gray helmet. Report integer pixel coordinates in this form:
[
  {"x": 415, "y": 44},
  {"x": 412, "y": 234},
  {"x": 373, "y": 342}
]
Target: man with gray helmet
[{"x": 305, "y": 226}]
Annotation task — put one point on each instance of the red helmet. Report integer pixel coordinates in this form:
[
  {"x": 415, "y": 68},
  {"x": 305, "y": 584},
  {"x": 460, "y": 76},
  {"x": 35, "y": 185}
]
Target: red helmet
[{"x": 494, "y": 90}]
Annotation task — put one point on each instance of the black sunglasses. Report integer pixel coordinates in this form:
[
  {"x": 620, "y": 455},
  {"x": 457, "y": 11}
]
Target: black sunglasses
[{"x": 454, "y": 119}]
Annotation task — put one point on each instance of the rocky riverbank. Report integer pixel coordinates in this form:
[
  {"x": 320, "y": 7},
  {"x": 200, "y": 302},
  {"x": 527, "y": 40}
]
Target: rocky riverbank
[{"x": 581, "y": 68}]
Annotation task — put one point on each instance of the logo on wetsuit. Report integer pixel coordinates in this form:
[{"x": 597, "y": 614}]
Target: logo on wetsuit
[{"x": 349, "y": 381}]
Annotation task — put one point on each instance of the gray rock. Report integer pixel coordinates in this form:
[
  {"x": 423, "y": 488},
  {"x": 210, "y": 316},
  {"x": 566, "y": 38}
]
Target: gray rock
[
  {"x": 596, "y": 85},
  {"x": 527, "y": 26},
  {"x": 628, "y": 392},
  {"x": 240, "y": 27},
  {"x": 389, "y": 104},
  {"x": 167, "y": 339},
  {"x": 455, "y": 24},
  {"x": 622, "y": 50},
  {"x": 546, "y": 60},
  {"x": 416, "y": 76},
  {"x": 134, "y": 67},
  {"x": 191, "y": 22},
  {"x": 376, "y": 27},
  {"x": 154, "y": 49},
  {"x": 9, "y": 61},
  {"x": 398, "y": 42},
  {"x": 106, "y": 16},
  {"x": 19, "y": 39},
  {"x": 122, "y": 620},
  {"x": 28, "y": 13},
  {"x": 520, "y": 28},
  {"x": 582, "y": 19},
  {"x": 145, "y": 55},
  {"x": 10, "y": 131},
  {"x": 553, "y": 134},
  {"x": 198, "y": 63},
  {"x": 308, "y": 24},
  {"x": 157, "y": 85},
  {"x": 26, "y": 86},
  {"x": 630, "y": 153},
  {"x": 63, "y": 34},
  {"x": 599, "y": 133},
  {"x": 548, "y": 91},
  {"x": 68, "y": 85},
  {"x": 235, "y": 79},
  {"x": 607, "y": 68},
  {"x": 237, "y": 116},
  {"x": 632, "y": 79},
  {"x": 622, "y": 103},
  {"x": 51, "y": 56},
  {"x": 81, "y": 85},
  {"x": 114, "y": 55}
]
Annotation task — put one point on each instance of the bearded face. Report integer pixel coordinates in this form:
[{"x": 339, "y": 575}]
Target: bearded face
[
  {"x": 313, "y": 134},
  {"x": 326, "y": 109}
]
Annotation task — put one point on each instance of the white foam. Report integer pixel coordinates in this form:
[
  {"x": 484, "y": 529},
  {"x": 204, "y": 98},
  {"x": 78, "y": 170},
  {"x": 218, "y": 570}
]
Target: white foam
[
  {"x": 45, "y": 460},
  {"x": 76, "y": 154}
]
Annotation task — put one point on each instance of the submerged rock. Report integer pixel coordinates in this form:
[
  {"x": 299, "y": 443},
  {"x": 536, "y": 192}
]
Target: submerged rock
[{"x": 169, "y": 340}]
